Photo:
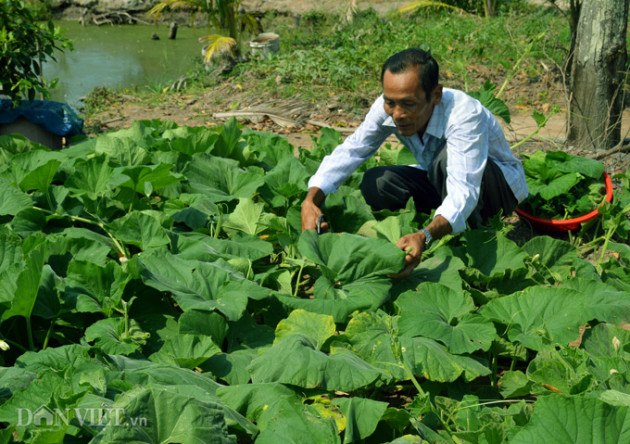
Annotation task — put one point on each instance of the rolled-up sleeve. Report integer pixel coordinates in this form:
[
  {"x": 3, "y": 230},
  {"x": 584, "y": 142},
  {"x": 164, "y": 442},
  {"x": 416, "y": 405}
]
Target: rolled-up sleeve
[
  {"x": 356, "y": 149},
  {"x": 467, "y": 154}
]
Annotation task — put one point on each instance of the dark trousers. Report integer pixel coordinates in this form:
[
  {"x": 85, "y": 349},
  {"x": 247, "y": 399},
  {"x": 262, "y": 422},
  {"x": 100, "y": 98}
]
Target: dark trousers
[{"x": 390, "y": 187}]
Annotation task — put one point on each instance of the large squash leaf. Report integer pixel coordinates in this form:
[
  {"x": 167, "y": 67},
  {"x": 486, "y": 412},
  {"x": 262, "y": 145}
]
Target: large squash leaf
[
  {"x": 571, "y": 419},
  {"x": 544, "y": 315},
  {"x": 280, "y": 414},
  {"x": 310, "y": 368},
  {"x": 149, "y": 418},
  {"x": 375, "y": 338},
  {"x": 200, "y": 285},
  {"x": 437, "y": 312},
  {"x": 348, "y": 258}
]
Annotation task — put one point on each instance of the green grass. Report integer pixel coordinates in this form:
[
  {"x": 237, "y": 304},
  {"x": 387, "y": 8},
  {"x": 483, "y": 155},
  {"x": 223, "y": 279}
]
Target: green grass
[{"x": 325, "y": 55}]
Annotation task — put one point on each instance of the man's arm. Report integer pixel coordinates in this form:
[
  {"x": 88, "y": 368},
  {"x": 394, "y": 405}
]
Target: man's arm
[
  {"x": 311, "y": 209},
  {"x": 345, "y": 159},
  {"x": 413, "y": 244}
]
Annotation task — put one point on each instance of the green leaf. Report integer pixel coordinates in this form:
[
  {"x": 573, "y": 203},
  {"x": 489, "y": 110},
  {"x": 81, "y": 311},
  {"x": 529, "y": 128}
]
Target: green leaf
[
  {"x": 341, "y": 301},
  {"x": 443, "y": 268},
  {"x": 315, "y": 327},
  {"x": 556, "y": 256},
  {"x": 26, "y": 286},
  {"x": 148, "y": 418},
  {"x": 35, "y": 170},
  {"x": 374, "y": 337},
  {"x": 245, "y": 218},
  {"x": 437, "y": 312},
  {"x": 208, "y": 249},
  {"x": 121, "y": 149},
  {"x": 607, "y": 346},
  {"x": 362, "y": 417},
  {"x": 189, "y": 140},
  {"x": 563, "y": 368},
  {"x": 198, "y": 322},
  {"x": 231, "y": 367},
  {"x": 348, "y": 258},
  {"x": 487, "y": 98},
  {"x": 144, "y": 179},
  {"x": 12, "y": 200},
  {"x": 310, "y": 368},
  {"x": 346, "y": 210},
  {"x": 288, "y": 177},
  {"x": 93, "y": 288},
  {"x": 543, "y": 315},
  {"x": 140, "y": 229},
  {"x": 91, "y": 177},
  {"x": 186, "y": 350},
  {"x": 559, "y": 186},
  {"x": 577, "y": 164},
  {"x": 78, "y": 244},
  {"x": 200, "y": 285},
  {"x": 563, "y": 419},
  {"x": 114, "y": 336},
  {"x": 270, "y": 148},
  {"x": 538, "y": 117},
  {"x": 222, "y": 179},
  {"x": 229, "y": 143},
  {"x": 29, "y": 221},
  {"x": 492, "y": 253},
  {"x": 10, "y": 250},
  {"x": 432, "y": 361},
  {"x": 514, "y": 384},
  {"x": 280, "y": 414}
]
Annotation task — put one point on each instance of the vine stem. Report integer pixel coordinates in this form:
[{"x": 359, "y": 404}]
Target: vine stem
[
  {"x": 29, "y": 333},
  {"x": 297, "y": 282},
  {"x": 14, "y": 344},
  {"x": 49, "y": 333},
  {"x": 101, "y": 225}
]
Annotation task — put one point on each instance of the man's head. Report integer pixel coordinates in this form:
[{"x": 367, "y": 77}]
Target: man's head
[{"x": 411, "y": 89}]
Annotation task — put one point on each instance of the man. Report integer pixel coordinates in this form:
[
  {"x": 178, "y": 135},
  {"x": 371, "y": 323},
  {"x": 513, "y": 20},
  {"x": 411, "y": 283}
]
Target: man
[{"x": 466, "y": 170}]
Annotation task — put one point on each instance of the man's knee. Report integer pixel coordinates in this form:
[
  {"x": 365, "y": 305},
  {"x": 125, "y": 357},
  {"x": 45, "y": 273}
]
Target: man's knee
[{"x": 380, "y": 189}]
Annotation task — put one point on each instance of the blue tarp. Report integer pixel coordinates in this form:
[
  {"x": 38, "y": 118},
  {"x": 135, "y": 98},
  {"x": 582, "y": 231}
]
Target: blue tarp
[{"x": 56, "y": 117}]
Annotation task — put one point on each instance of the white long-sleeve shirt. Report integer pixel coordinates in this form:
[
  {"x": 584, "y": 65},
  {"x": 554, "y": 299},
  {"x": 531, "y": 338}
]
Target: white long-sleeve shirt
[{"x": 471, "y": 133}]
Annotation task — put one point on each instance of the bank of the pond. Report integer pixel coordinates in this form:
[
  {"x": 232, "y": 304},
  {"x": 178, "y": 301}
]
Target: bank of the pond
[{"x": 121, "y": 56}]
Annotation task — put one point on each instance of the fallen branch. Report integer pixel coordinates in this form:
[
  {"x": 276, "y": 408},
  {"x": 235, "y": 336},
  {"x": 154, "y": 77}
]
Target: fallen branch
[
  {"x": 621, "y": 148},
  {"x": 115, "y": 119},
  {"x": 342, "y": 130}
]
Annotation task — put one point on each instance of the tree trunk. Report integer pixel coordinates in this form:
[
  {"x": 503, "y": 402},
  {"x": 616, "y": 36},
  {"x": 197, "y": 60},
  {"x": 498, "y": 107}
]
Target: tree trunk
[
  {"x": 574, "y": 16},
  {"x": 597, "y": 76}
]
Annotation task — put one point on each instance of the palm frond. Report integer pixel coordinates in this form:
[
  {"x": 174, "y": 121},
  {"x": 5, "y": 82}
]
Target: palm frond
[
  {"x": 250, "y": 22},
  {"x": 219, "y": 44},
  {"x": 174, "y": 4}
]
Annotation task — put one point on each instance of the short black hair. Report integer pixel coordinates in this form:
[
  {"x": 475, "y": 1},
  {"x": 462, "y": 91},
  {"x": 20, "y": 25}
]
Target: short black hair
[{"x": 428, "y": 73}]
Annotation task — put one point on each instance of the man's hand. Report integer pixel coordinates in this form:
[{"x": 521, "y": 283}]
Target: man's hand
[
  {"x": 311, "y": 211},
  {"x": 413, "y": 245}
]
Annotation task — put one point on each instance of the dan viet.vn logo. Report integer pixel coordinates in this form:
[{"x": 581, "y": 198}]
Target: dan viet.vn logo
[{"x": 44, "y": 416}]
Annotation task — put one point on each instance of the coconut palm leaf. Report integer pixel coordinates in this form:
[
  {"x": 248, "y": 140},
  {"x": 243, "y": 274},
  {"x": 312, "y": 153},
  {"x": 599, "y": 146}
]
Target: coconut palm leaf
[{"x": 218, "y": 44}]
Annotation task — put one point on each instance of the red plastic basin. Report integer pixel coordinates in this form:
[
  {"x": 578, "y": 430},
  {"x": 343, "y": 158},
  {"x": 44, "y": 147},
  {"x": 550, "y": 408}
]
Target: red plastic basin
[{"x": 556, "y": 225}]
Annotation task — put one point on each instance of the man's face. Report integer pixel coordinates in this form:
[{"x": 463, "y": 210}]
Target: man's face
[{"x": 406, "y": 101}]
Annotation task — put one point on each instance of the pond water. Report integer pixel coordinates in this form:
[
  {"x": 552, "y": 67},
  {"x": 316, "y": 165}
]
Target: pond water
[{"x": 120, "y": 56}]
